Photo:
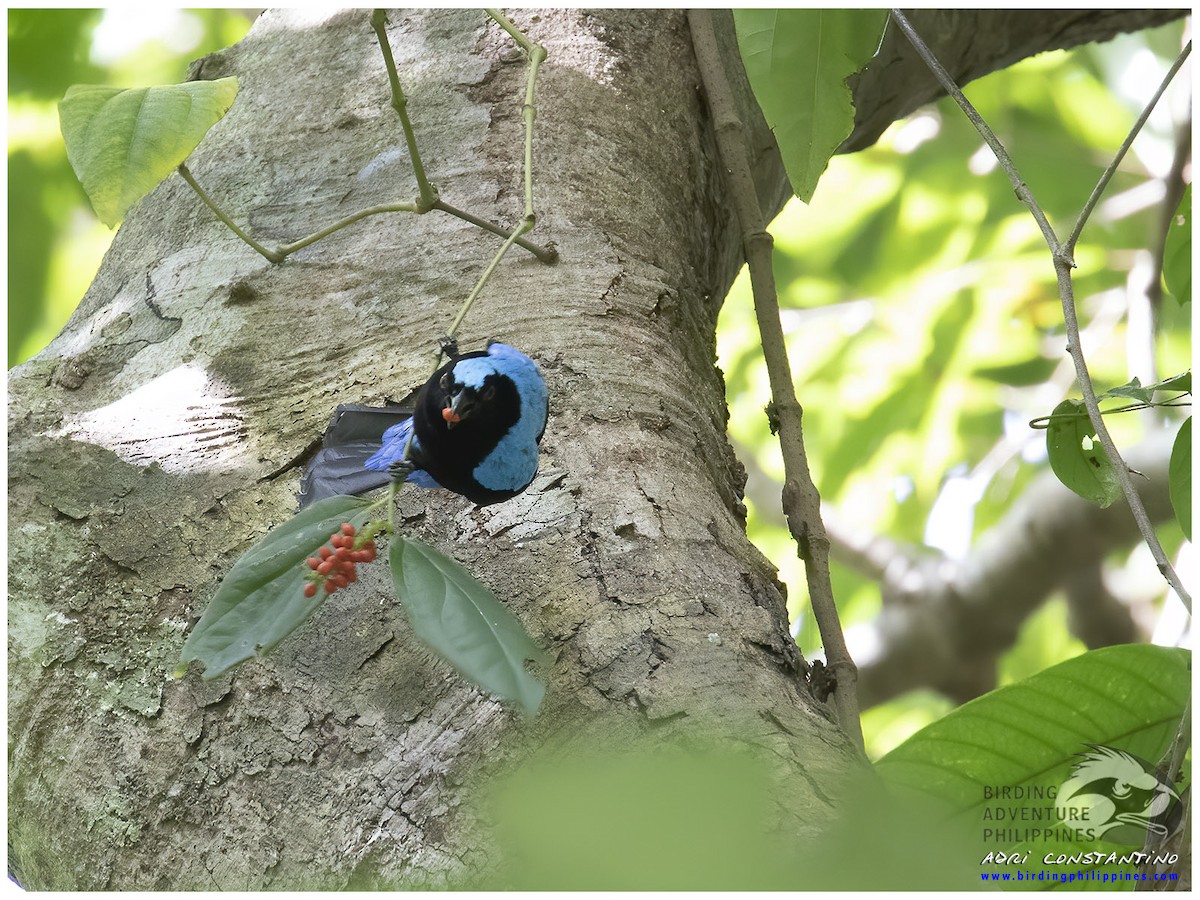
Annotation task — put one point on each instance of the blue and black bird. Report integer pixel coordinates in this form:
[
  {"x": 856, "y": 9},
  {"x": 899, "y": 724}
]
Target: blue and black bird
[{"x": 475, "y": 430}]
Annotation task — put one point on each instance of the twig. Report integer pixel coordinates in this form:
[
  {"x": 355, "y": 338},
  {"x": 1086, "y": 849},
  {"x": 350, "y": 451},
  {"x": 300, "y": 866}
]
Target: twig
[
  {"x": 537, "y": 54},
  {"x": 428, "y": 198},
  {"x": 981, "y": 126},
  {"x": 279, "y": 254},
  {"x": 289, "y": 249},
  {"x": 801, "y": 500},
  {"x": 487, "y": 273},
  {"x": 1063, "y": 263}
]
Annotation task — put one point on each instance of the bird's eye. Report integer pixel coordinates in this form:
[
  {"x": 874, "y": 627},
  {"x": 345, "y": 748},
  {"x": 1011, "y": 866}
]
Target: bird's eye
[{"x": 487, "y": 393}]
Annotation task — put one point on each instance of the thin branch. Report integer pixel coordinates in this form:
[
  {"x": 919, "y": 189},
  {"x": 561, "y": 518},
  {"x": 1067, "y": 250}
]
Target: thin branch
[
  {"x": 1006, "y": 163},
  {"x": 427, "y": 194},
  {"x": 537, "y": 55},
  {"x": 1063, "y": 263},
  {"x": 487, "y": 273},
  {"x": 1122, "y": 471},
  {"x": 279, "y": 254},
  {"x": 1069, "y": 246},
  {"x": 515, "y": 33},
  {"x": 801, "y": 500}
]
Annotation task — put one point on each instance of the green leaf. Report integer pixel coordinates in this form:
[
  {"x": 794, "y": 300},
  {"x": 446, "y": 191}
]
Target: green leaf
[
  {"x": 1177, "y": 252},
  {"x": 1133, "y": 390},
  {"x": 1026, "y": 736},
  {"x": 261, "y": 601},
  {"x": 797, "y": 61},
  {"x": 123, "y": 142},
  {"x": 465, "y": 623},
  {"x": 1179, "y": 478},
  {"x": 1077, "y": 457}
]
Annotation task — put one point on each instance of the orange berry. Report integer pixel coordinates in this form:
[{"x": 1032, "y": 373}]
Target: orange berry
[{"x": 310, "y": 589}]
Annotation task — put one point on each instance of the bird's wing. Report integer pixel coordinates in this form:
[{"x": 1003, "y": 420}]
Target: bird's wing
[{"x": 354, "y": 435}]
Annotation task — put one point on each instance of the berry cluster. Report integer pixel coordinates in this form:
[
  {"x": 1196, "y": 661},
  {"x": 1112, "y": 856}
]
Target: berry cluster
[{"x": 334, "y": 568}]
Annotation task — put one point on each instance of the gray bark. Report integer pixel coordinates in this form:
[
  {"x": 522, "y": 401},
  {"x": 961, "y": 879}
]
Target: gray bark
[{"x": 160, "y": 435}]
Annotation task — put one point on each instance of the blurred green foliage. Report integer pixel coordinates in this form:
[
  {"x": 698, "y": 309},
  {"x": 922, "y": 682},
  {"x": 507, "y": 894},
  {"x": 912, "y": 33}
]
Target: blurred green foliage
[
  {"x": 54, "y": 242},
  {"x": 925, "y": 329},
  {"x": 648, "y": 815}
]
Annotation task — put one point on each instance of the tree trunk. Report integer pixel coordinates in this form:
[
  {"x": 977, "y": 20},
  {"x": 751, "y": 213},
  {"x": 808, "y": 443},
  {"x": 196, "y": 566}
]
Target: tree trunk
[{"x": 162, "y": 433}]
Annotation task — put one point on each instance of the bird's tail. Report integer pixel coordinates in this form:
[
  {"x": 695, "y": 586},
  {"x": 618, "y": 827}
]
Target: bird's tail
[{"x": 354, "y": 434}]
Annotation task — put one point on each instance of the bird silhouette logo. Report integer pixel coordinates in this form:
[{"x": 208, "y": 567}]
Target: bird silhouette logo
[{"x": 1119, "y": 796}]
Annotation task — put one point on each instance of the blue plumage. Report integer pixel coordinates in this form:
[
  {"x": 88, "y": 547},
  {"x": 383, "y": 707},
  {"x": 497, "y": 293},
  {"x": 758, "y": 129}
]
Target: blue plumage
[
  {"x": 391, "y": 451},
  {"x": 475, "y": 431}
]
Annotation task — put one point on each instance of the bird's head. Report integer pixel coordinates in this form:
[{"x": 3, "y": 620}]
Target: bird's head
[
  {"x": 473, "y": 399},
  {"x": 461, "y": 402}
]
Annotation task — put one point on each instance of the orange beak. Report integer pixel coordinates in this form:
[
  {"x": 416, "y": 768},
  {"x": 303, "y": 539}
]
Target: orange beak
[{"x": 451, "y": 417}]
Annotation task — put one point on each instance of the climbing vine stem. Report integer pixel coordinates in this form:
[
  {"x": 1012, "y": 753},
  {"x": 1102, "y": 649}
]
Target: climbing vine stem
[
  {"x": 273, "y": 255},
  {"x": 537, "y": 54}
]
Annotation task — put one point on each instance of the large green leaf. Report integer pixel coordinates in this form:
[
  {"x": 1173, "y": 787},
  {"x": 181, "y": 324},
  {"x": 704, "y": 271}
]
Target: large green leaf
[
  {"x": 997, "y": 761},
  {"x": 261, "y": 601},
  {"x": 464, "y": 622},
  {"x": 123, "y": 142},
  {"x": 1179, "y": 475},
  {"x": 1077, "y": 457},
  {"x": 1177, "y": 252},
  {"x": 797, "y": 61}
]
